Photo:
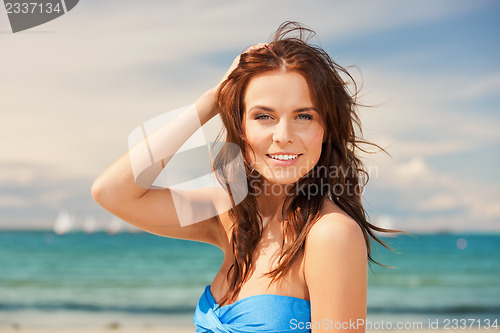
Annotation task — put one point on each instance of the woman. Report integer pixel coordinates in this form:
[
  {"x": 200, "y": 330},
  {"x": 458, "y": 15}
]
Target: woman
[{"x": 295, "y": 236}]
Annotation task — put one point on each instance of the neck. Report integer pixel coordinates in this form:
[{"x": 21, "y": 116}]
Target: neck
[{"x": 271, "y": 199}]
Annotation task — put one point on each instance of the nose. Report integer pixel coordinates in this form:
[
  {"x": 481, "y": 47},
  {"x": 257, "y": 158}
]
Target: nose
[{"x": 283, "y": 133}]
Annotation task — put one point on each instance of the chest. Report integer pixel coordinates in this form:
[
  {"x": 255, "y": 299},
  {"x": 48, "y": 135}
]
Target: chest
[{"x": 265, "y": 258}]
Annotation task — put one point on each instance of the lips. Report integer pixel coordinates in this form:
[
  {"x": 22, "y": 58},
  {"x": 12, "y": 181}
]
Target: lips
[{"x": 283, "y": 157}]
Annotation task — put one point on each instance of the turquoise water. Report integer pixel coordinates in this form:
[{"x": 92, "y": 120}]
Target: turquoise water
[
  {"x": 438, "y": 274},
  {"x": 143, "y": 273}
]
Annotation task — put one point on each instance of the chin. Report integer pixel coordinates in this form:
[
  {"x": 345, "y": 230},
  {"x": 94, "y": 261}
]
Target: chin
[
  {"x": 284, "y": 180},
  {"x": 275, "y": 181},
  {"x": 279, "y": 176}
]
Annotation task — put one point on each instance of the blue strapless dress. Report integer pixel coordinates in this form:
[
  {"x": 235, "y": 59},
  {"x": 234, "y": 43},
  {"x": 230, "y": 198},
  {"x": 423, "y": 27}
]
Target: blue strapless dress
[{"x": 259, "y": 313}]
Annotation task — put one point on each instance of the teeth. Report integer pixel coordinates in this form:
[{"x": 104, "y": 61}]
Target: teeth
[{"x": 285, "y": 157}]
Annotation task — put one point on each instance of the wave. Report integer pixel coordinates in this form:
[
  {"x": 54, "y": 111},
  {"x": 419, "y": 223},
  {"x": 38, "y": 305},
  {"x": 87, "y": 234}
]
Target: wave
[
  {"x": 450, "y": 309},
  {"x": 183, "y": 309},
  {"x": 71, "y": 306}
]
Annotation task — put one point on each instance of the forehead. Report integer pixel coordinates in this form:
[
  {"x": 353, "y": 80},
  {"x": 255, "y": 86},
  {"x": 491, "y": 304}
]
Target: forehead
[{"x": 278, "y": 89}]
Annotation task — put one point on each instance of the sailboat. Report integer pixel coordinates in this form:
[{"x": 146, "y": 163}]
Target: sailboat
[
  {"x": 63, "y": 223},
  {"x": 386, "y": 222},
  {"x": 89, "y": 224},
  {"x": 115, "y": 226}
]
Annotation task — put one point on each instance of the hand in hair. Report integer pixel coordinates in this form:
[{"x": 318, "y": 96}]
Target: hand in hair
[
  {"x": 236, "y": 60},
  {"x": 207, "y": 100}
]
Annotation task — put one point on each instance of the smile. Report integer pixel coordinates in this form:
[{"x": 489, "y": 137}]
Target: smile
[{"x": 286, "y": 157}]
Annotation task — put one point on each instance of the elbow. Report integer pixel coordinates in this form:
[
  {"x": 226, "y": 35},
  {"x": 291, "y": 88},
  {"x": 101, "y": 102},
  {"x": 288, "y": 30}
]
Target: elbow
[
  {"x": 98, "y": 192},
  {"x": 106, "y": 195}
]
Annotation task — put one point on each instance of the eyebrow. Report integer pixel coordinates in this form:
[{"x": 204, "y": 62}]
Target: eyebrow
[{"x": 265, "y": 108}]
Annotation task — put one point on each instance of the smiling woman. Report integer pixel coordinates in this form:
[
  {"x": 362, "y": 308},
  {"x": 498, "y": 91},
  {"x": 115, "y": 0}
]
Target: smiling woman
[
  {"x": 283, "y": 130},
  {"x": 297, "y": 243}
]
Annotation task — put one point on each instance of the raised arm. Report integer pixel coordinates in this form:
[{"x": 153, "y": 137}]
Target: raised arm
[{"x": 125, "y": 188}]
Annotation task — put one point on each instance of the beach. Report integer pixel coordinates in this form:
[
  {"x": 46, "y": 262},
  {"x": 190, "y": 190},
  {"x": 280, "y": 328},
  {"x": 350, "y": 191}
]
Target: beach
[
  {"x": 179, "y": 326},
  {"x": 64, "y": 321},
  {"x": 181, "y": 329},
  {"x": 30, "y": 321},
  {"x": 185, "y": 330}
]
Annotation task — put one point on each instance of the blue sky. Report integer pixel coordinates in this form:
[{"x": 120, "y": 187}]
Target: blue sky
[{"x": 74, "y": 88}]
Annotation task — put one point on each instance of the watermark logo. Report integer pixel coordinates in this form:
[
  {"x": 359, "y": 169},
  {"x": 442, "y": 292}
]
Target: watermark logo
[{"x": 25, "y": 14}]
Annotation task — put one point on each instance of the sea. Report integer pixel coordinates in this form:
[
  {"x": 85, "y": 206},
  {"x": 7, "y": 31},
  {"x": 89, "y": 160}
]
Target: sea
[{"x": 433, "y": 278}]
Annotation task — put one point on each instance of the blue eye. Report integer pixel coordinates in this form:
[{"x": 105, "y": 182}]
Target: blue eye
[
  {"x": 305, "y": 116},
  {"x": 262, "y": 116}
]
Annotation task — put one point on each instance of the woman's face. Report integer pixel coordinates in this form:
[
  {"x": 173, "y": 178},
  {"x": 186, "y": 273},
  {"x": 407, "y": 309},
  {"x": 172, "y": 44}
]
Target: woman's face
[{"x": 282, "y": 126}]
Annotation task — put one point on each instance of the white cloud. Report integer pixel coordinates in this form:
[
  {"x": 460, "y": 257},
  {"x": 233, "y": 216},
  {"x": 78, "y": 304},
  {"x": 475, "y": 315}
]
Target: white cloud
[
  {"x": 439, "y": 202},
  {"x": 479, "y": 87},
  {"x": 415, "y": 116},
  {"x": 16, "y": 201},
  {"x": 53, "y": 198},
  {"x": 414, "y": 171},
  {"x": 17, "y": 174},
  {"x": 424, "y": 198}
]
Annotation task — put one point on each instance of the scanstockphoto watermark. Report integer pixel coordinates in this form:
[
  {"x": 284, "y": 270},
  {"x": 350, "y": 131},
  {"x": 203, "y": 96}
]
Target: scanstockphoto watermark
[
  {"x": 323, "y": 171},
  {"x": 328, "y": 324},
  {"x": 310, "y": 190},
  {"x": 453, "y": 324},
  {"x": 320, "y": 182},
  {"x": 24, "y": 15}
]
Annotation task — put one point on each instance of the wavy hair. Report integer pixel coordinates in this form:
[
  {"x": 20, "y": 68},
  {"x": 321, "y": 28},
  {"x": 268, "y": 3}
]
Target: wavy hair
[{"x": 337, "y": 108}]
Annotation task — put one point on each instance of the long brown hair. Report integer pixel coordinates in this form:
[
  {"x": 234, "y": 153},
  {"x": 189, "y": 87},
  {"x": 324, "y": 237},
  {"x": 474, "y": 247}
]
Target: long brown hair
[{"x": 339, "y": 173}]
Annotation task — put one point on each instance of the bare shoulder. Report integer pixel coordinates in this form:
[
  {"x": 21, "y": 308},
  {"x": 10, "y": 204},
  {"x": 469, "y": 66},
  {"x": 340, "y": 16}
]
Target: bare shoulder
[
  {"x": 335, "y": 225},
  {"x": 335, "y": 239}
]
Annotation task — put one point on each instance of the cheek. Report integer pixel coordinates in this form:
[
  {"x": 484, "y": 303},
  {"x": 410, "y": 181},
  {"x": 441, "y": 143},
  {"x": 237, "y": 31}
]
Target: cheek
[
  {"x": 314, "y": 143},
  {"x": 249, "y": 137},
  {"x": 251, "y": 143},
  {"x": 254, "y": 137},
  {"x": 313, "y": 138}
]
